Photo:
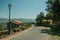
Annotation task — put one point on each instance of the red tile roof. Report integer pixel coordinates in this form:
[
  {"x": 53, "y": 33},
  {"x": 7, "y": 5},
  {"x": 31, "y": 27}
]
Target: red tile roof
[{"x": 17, "y": 22}]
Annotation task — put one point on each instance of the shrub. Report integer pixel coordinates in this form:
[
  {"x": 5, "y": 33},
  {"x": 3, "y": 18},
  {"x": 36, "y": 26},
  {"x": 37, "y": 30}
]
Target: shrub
[
  {"x": 16, "y": 29},
  {"x": 22, "y": 28},
  {"x": 1, "y": 28},
  {"x": 56, "y": 28}
]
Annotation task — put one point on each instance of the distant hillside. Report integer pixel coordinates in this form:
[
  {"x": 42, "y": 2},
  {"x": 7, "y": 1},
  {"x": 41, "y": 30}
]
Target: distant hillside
[{"x": 4, "y": 20}]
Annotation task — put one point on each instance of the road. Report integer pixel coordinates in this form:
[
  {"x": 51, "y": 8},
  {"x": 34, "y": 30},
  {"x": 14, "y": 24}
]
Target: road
[{"x": 34, "y": 34}]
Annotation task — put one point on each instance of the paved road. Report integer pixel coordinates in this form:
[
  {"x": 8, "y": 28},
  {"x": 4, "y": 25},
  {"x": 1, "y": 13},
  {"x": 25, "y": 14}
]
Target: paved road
[{"x": 33, "y": 34}]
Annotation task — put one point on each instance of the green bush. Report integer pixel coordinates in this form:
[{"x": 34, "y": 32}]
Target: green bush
[
  {"x": 1, "y": 28},
  {"x": 22, "y": 28},
  {"x": 56, "y": 28},
  {"x": 16, "y": 29},
  {"x": 25, "y": 26}
]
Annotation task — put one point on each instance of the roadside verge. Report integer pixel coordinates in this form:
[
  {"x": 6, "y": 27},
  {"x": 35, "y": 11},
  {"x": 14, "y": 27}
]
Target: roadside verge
[{"x": 16, "y": 34}]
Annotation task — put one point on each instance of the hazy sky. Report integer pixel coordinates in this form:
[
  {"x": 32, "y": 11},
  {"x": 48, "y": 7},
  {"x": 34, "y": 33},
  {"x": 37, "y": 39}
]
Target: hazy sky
[{"x": 22, "y": 8}]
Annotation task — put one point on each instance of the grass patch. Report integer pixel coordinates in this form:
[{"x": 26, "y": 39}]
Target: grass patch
[{"x": 55, "y": 37}]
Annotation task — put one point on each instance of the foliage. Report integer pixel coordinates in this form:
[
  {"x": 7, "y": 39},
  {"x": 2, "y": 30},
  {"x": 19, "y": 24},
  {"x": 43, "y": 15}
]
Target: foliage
[
  {"x": 39, "y": 18},
  {"x": 16, "y": 29},
  {"x": 53, "y": 6},
  {"x": 2, "y": 28},
  {"x": 25, "y": 26},
  {"x": 46, "y": 23},
  {"x": 49, "y": 16}
]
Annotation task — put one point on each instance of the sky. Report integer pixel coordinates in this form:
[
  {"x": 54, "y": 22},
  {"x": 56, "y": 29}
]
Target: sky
[{"x": 28, "y": 9}]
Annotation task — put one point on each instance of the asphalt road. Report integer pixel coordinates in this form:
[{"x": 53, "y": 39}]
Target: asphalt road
[{"x": 36, "y": 33}]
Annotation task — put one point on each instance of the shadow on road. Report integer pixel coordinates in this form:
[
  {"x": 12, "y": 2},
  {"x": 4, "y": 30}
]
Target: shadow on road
[
  {"x": 48, "y": 31},
  {"x": 44, "y": 30}
]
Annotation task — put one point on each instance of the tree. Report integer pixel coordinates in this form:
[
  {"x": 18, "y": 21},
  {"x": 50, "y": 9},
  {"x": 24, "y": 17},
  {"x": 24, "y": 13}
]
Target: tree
[
  {"x": 39, "y": 18},
  {"x": 54, "y": 7},
  {"x": 49, "y": 16}
]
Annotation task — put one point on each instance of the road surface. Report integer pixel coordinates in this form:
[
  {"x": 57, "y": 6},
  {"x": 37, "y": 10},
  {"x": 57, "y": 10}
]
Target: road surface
[{"x": 33, "y": 34}]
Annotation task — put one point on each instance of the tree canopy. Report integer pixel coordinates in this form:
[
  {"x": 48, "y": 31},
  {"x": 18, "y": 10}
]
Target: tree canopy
[
  {"x": 54, "y": 7},
  {"x": 49, "y": 15},
  {"x": 39, "y": 18}
]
